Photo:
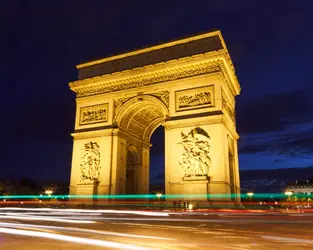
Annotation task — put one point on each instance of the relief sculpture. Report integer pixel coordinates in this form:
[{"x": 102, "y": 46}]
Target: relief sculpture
[
  {"x": 163, "y": 96},
  {"x": 194, "y": 98},
  {"x": 230, "y": 111},
  {"x": 90, "y": 162},
  {"x": 93, "y": 114},
  {"x": 195, "y": 159}
]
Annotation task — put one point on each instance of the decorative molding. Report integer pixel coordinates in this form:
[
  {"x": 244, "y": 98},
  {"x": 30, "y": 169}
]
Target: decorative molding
[
  {"x": 90, "y": 162},
  {"x": 231, "y": 145},
  {"x": 153, "y": 55},
  {"x": 163, "y": 96},
  {"x": 133, "y": 139},
  {"x": 120, "y": 101},
  {"x": 93, "y": 114},
  {"x": 196, "y": 160},
  {"x": 228, "y": 79},
  {"x": 95, "y": 133},
  {"x": 85, "y": 88},
  {"x": 218, "y": 119},
  {"x": 229, "y": 110},
  {"x": 193, "y": 123},
  {"x": 195, "y": 98}
]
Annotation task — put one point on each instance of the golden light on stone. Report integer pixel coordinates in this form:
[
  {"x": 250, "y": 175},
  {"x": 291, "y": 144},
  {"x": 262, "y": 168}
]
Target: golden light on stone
[{"x": 188, "y": 87}]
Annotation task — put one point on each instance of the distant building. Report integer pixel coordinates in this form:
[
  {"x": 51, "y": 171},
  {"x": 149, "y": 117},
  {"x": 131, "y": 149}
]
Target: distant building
[{"x": 297, "y": 187}]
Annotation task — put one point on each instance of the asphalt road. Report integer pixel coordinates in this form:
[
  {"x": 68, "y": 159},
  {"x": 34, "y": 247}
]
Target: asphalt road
[{"x": 90, "y": 229}]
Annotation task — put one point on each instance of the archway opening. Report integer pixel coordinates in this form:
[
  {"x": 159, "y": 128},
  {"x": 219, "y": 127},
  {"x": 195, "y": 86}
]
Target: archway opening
[
  {"x": 157, "y": 161},
  {"x": 130, "y": 173},
  {"x": 138, "y": 119}
]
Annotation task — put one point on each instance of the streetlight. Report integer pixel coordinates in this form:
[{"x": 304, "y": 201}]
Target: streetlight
[
  {"x": 288, "y": 193},
  {"x": 159, "y": 195},
  {"x": 48, "y": 192},
  {"x": 250, "y": 194}
]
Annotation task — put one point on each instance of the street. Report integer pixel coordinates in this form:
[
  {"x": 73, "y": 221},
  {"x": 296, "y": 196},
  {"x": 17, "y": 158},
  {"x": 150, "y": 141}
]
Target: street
[{"x": 49, "y": 229}]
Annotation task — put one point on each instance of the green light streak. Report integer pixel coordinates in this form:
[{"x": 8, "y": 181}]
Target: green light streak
[{"x": 148, "y": 196}]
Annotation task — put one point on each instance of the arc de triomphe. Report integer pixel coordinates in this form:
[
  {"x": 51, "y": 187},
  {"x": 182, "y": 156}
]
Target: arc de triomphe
[{"x": 187, "y": 86}]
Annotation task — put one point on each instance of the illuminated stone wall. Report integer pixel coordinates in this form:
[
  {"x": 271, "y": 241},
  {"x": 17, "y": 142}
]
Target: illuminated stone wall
[{"x": 193, "y": 98}]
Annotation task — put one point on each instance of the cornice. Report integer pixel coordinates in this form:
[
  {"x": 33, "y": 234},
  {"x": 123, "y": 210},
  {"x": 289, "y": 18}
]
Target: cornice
[
  {"x": 141, "y": 77},
  {"x": 156, "y": 47},
  {"x": 93, "y": 134},
  {"x": 228, "y": 123},
  {"x": 192, "y": 122},
  {"x": 218, "y": 119}
]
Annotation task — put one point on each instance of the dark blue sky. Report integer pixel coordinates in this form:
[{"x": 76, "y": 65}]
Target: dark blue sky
[{"x": 270, "y": 42}]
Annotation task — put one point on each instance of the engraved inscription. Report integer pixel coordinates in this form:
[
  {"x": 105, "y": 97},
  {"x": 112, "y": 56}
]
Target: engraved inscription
[
  {"x": 194, "y": 98},
  {"x": 93, "y": 114},
  {"x": 195, "y": 159}
]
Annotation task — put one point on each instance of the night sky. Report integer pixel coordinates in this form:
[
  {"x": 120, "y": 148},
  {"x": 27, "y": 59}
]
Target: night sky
[{"x": 270, "y": 42}]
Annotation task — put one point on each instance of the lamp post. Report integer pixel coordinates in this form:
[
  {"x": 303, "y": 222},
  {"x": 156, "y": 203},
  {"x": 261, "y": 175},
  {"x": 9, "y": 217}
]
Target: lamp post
[
  {"x": 250, "y": 194},
  {"x": 289, "y": 193},
  {"x": 159, "y": 195},
  {"x": 48, "y": 192}
]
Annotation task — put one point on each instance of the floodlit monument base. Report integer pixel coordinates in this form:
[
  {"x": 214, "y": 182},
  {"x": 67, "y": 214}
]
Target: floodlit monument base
[{"x": 188, "y": 87}]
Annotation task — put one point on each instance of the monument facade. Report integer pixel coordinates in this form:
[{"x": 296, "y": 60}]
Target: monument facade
[{"x": 188, "y": 87}]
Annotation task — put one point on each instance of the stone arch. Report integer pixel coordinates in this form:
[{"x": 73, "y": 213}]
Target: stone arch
[
  {"x": 141, "y": 115},
  {"x": 121, "y": 100},
  {"x": 135, "y": 152},
  {"x": 133, "y": 169}
]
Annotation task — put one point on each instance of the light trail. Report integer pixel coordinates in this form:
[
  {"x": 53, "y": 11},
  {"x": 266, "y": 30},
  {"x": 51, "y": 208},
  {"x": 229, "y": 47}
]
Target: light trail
[
  {"x": 72, "y": 239},
  {"x": 145, "y": 196},
  {"x": 205, "y": 220},
  {"x": 146, "y": 213},
  {"x": 287, "y": 239},
  {"x": 81, "y": 230},
  {"x": 39, "y": 218}
]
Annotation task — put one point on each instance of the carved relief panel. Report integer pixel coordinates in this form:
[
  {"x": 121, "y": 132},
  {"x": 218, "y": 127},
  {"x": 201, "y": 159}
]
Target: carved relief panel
[
  {"x": 230, "y": 109},
  {"x": 195, "y": 159},
  {"x": 93, "y": 114},
  {"x": 90, "y": 162},
  {"x": 162, "y": 96},
  {"x": 195, "y": 98}
]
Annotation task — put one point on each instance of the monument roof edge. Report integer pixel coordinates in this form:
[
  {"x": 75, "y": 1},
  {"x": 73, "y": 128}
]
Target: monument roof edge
[{"x": 155, "y": 47}]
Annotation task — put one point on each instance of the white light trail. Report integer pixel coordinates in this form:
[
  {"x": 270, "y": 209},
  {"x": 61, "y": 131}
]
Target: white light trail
[
  {"x": 85, "y": 241},
  {"x": 146, "y": 213},
  {"x": 287, "y": 239},
  {"x": 42, "y": 218},
  {"x": 82, "y": 230}
]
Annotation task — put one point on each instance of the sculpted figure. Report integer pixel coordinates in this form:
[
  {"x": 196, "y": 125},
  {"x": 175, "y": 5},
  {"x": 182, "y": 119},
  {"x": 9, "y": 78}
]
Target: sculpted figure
[
  {"x": 90, "y": 162},
  {"x": 195, "y": 159}
]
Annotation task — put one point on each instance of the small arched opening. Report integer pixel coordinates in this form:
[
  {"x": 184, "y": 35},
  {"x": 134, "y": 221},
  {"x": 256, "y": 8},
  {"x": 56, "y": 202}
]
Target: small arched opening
[{"x": 132, "y": 171}]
